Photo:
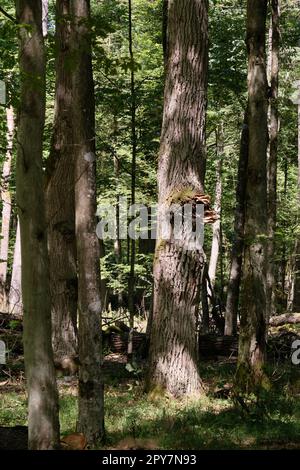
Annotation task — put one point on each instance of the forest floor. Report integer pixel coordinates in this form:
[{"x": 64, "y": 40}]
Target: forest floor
[{"x": 214, "y": 421}]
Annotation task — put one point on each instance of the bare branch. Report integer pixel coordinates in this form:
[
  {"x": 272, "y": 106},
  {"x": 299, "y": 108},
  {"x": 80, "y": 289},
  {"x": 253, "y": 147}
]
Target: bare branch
[{"x": 11, "y": 18}]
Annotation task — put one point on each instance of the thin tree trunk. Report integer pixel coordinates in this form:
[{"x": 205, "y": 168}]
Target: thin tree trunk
[
  {"x": 272, "y": 157},
  {"x": 15, "y": 292},
  {"x": 43, "y": 424},
  {"x": 216, "y": 240},
  {"x": 235, "y": 274},
  {"x": 6, "y": 207},
  {"x": 90, "y": 400},
  {"x": 253, "y": 303},
  {"x": 61, "y": 198},
  {"x": 282, "y": 298},
  {"x": 45, "y": 9},
  {"x": 104, "y": 288},
  {"x": 118, "y": 242},
  {"x": 174, "y": 352},
  {"x": 205, "y": 301},
  {"x": 131, "y": 284},
  {"x": 165, "y": 31},
  {"x": 297, "y": 273},
  {"x": 296, "y": 255},
  {"x": 165, "y": 58},
  {"x": 289, "y": 282}
]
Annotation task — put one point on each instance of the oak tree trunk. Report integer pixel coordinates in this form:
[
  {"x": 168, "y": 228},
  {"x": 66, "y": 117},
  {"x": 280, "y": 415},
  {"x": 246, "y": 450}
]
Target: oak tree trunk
[
  {"x": 90, "y": 400},
  {"x": 253, "y": 300},
  {"x": 43, "y": 424},
  {"x": 61, "y": 198},
  {"x": 174, "y": 355}
]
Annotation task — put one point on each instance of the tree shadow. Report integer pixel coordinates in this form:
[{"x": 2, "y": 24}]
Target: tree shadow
[{"x": 195, "y": 429}]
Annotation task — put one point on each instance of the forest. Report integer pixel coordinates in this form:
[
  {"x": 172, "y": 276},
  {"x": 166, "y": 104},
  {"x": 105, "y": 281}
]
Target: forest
[{"x": 150, "y": 224}]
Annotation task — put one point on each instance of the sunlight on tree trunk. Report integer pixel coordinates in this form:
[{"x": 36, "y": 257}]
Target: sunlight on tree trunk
[
  {"x": 216, "y": 240},
  {"x": 174, "y": 351},
  {"x": 6, "y": 207},
  {"x": 15, "y": 292}
]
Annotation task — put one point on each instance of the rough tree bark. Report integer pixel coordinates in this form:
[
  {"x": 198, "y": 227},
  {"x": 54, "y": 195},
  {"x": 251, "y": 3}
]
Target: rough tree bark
[
  {"x": 60, "y": 197},
  {"x": 6, "y": 207},
  {"x": 43, "y": 424},
  {"x": 174, "y": 354},
  {"x": 90, "y": 419},
  {"x": 253, "y": 300},
  {"x": 235, "y": 274},
  {"x": 272, "y": 156}
]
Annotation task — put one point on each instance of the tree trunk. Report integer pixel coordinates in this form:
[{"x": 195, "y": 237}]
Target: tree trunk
[
  {"x": 45, "y": 8},
  {"x": 174, "y": 352},
  {"x": 118, "y": 241},
  {"x": 164, "y": 31},
  {"x": 104, "y": 289},
  {"x": 131, "y": 283},
  {"x": 272, "y": 157},
  {"x": 90, "y": 420},
  {"x": 296, "y": 287},
  {"x": 205, "y": 301},
  {"x": 216, "y": 241},
  {"x": 43, "y": 424},
  {"x": 253, "y": 301},
  {"x": 15, "y": 292},
  {"x": 235, "y": 274},
  {"x": 296, "y": 261},
  {"x": 282, "y": 298},
  {"x": 6, "y": 207},
  {"x": 61, "y": 199}
]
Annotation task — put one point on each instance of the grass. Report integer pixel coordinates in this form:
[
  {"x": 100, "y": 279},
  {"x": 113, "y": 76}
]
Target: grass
[{"x": 205, "y": 423}]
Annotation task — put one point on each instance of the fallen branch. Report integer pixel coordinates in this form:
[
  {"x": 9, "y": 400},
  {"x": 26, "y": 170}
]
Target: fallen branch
[
  {"x": 10, "y": 17},
  {"x": 286, "y": 318}
]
